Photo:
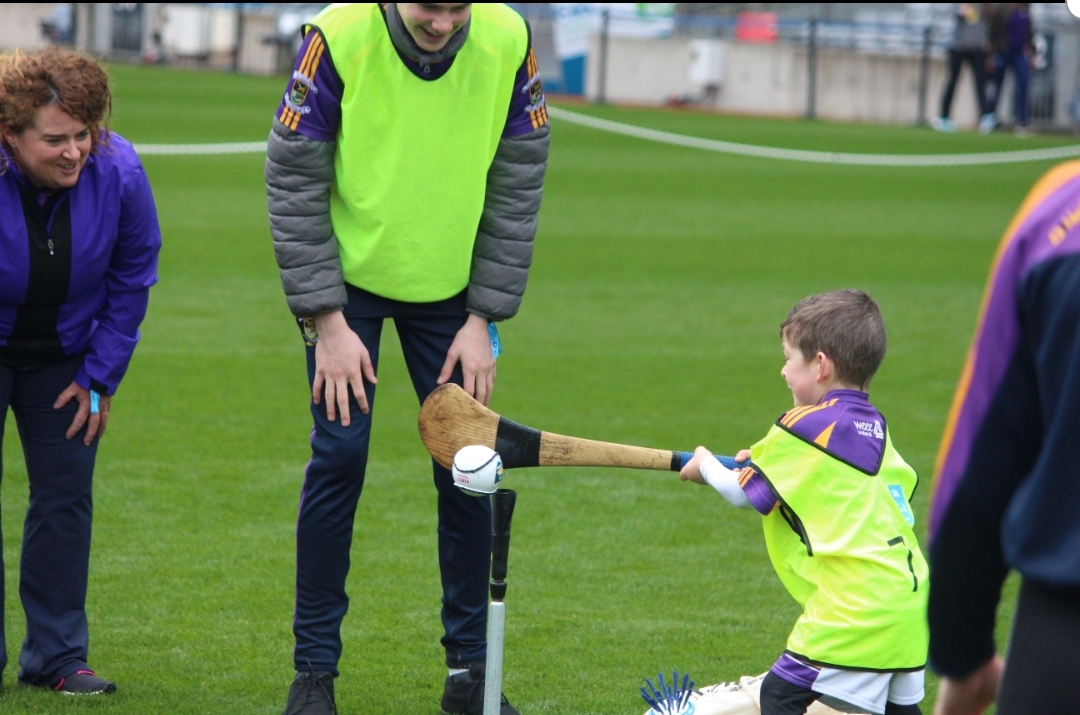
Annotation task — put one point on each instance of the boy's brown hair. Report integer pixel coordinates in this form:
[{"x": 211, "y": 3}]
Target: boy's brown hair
[{"x": 846, "y": 325}]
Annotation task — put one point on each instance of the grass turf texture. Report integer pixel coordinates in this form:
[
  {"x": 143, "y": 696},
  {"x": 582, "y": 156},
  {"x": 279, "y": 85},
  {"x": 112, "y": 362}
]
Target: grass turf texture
[{"x": 661, "y": 275}]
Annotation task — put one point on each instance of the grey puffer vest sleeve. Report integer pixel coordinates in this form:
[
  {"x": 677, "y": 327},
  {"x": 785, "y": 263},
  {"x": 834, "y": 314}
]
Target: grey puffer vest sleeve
[
  {"x": 503, "y": 250},
  {"x": 299, "y": 172}
]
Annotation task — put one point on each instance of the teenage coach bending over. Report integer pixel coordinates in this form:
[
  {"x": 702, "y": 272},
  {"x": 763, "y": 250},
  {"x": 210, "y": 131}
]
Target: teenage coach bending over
[{"x": 404, "y": 175}]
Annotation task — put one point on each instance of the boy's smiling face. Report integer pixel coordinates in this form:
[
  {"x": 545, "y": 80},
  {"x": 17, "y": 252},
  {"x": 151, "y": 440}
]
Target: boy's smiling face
[
  {"x": 432, "y": 24},
  {"x": 803, "y": 376}
]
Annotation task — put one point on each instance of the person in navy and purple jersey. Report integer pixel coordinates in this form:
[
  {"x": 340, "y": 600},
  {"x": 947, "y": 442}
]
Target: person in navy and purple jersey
[
  {"x": 1012, "y": 46},
  {"x": 1007, "y": 486},
  {"x": 404, "y": 175},
  {"x": 834, "y": 496},
  {"x": 79, "y": 241}
]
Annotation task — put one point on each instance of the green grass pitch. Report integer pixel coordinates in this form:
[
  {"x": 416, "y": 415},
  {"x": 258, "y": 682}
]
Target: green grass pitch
[{"x": 661, "y": 276}]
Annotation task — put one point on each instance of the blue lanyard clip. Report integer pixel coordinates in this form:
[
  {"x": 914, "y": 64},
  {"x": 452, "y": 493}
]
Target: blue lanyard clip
[{"x": 496, "y": 346}]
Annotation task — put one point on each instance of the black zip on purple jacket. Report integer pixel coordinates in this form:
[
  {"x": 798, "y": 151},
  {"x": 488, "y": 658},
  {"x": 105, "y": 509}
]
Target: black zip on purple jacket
[{"x": 76, "y": 266}]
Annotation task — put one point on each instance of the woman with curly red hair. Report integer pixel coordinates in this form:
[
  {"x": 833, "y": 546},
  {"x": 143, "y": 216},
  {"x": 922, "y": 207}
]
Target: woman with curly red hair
[{"x": 79, "y": 241}]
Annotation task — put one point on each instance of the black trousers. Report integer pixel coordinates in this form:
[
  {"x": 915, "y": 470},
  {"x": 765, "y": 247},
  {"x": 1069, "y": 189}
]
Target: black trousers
[
  {"x": 977, "y": 60},
  {"x": 1042, "y": 670},
  {"x": 779, "y": 697},
  {"x": 334, "y": 480},
  {"x": 56, "y": 536}
]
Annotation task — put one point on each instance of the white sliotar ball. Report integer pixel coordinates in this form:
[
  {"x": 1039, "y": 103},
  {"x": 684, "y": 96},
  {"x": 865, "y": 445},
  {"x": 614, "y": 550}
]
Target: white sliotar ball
[{"x": 477, "y": 470}]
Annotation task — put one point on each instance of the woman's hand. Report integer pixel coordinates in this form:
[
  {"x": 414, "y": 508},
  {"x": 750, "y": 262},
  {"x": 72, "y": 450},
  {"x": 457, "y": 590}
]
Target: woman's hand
[
  {"x": 472, "y": 348},
  {"x": 95, "y": 422}
]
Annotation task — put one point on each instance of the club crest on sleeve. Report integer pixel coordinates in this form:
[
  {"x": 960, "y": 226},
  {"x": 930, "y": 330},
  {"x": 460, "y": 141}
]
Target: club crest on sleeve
[
  {"x": 536, "y": 93},
  {"x": 302, "y": 87}
]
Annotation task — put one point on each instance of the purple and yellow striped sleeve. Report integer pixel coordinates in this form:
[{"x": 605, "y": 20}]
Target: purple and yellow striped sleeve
[
  {"x": 528, "y": 110},
  {"x": 757, "y": 490},
  {"x": 312, "y": 102},
  {"x": 1035, "y": 234}
]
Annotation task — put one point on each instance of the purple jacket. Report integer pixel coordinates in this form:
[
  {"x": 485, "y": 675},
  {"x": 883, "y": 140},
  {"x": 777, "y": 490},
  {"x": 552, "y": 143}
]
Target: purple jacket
[{"x": 76, "y": 266}]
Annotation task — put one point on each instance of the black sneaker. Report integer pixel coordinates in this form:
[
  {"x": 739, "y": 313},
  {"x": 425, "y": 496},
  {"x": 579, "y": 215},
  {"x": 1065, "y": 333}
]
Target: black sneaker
[
  {"x": 463, "y": 693},
  {"x": 312, "y": 693},
  {"x": 85, "y": 682}
]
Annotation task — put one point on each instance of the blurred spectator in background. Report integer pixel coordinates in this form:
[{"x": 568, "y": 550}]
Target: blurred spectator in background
[
  {"x": 969, "y": 44},
  {"x": 59, "y": 28},
  {"x": 1011, "y": 46},
  {"x": 996, "y": 16},
  {"x": 1006, "y": 494}
]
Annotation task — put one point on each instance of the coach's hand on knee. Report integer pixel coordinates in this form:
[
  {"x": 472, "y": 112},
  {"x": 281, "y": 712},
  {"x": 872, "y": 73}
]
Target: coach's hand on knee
[
  {"x": 95, "y": 417},
  {"x": 341, "y": 361},
  {"x": 472, "y": 348}
]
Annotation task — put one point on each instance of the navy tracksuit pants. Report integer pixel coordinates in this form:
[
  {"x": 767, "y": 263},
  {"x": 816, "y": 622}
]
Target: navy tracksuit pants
[
  {"x": 334, "y": 479},
  {"x": 56, "y": 535}
]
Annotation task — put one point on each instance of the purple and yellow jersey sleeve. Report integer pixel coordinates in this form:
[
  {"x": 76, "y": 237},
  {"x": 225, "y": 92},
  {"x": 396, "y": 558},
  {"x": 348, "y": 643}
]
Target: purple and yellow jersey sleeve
[
  {"x": 312, "y": 102},
  {"x": 757, "y": 490},
  {"x": 528, "y": 111},
  {"x": 1042, "y": 229}
]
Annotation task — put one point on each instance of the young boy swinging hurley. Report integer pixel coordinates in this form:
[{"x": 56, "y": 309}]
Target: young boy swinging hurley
[{"x": 835, "y": 495}]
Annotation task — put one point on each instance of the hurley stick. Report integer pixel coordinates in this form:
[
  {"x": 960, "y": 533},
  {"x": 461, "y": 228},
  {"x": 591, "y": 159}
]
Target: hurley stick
[{"x": 450, "y": 420}]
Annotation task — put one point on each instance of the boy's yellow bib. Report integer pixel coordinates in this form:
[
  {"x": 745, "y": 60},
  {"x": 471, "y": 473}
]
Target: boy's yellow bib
[
  {"x": 841, "y": 544},
  {"x": 413, "y": 154}
]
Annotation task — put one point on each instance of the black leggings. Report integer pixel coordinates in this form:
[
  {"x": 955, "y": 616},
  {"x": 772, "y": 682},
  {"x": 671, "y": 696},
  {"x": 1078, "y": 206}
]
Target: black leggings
[
  {"x": 977, "y": 60},
  {"x": 779, "y": 697}
]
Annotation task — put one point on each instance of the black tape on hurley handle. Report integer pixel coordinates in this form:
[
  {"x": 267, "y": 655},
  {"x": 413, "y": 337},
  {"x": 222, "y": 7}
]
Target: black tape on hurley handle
[{"x": 502, "y": 511}]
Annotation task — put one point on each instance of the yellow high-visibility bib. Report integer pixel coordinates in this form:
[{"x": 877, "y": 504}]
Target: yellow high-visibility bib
[
  {"x": 413, "y": 154},
  {"x": 841, "y": 542}
]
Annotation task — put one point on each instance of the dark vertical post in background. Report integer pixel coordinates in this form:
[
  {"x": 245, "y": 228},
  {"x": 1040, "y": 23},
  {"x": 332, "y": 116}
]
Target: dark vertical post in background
[
  {"x": 924, "y": 77},
  {"x": 74, "y": 29},
  {"x": 239, "y": 36},
  {"x": 601, "y": 83},
  {"x": 811, "y": 63}
]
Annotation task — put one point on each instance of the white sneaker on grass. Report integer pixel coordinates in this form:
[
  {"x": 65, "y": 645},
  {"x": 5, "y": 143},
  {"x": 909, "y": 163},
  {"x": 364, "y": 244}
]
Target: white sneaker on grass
[{"x": 943, "y": 124}]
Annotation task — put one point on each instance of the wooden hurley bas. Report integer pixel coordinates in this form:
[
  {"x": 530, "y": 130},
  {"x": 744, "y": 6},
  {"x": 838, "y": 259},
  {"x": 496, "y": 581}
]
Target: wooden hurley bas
[{"x": 450, "y": 420}]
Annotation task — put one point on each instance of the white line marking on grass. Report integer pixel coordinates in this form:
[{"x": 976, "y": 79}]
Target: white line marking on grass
[
  {"x": 725, "y": 147},
  {"x": 191, "y": 149},
  {"x": 817, "y": 157}
]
